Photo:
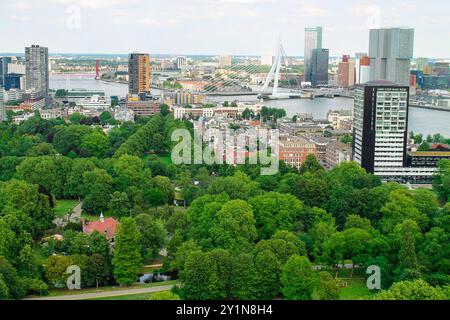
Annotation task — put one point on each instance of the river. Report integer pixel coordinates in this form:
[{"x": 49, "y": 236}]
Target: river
[{"x": 420, "y": 120}]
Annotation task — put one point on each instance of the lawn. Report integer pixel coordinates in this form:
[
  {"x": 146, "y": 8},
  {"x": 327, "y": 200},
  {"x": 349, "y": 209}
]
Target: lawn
[
  {"x": 63, "y": 292},
  {"x": 356, "y": 289},
  {"x": 167, "y": 159},
  {"x": 134, "y": 297},
  {"x": 90, "y": 218},
  {"x": 64, "y": 207},
  {"x": 39, "y": 255}
]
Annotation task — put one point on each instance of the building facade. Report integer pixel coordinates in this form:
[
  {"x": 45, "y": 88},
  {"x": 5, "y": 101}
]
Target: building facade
[
  {"x": 336, "y": 153},
  {"x": 380, "y": 126},
  {"x": 313, "y": 40},
  {"x": 14, "y": 79},
  {"x": 321, "y": 147},
  {"x": 225, "y": 61},
  {"x": 294, "y": 150},
  {"x": 390, "y": 52},
  {"x": 54, "y": 114},
  {"x": 427, "y": 159},
  {"x": 139, "y": 74},
  {"x": 421, "y": 63},
  {"x": 37, "y": 69},
  {"x": 181, "y": 63},
  {"x": 143, "y": 108},
  {"x": 362, "y": 70},
  {"x": 339, "y": 118},
  {"x": 4, "y": 62},
  {"x": 346, "y": 72}
]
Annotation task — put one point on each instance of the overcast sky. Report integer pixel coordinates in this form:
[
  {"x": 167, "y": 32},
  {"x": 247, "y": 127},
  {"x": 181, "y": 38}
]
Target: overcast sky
[{"x": 239, "y": 27}]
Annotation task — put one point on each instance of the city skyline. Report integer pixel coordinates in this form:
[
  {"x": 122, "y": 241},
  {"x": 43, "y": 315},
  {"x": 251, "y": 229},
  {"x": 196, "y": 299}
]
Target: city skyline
[{"x": 66, "y": 26}]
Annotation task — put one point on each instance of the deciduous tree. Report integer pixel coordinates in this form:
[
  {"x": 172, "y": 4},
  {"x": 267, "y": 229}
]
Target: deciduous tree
[
  {"x": 298, "y": 279},
  {"x": 127, "y": 260}
]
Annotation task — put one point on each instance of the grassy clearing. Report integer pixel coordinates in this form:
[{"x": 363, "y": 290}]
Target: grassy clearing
[
  {"x": 356, "y": 290},
  {"x": 64, "y": 207},
  {"x": 167, "y": 159},
  {"x": 64, "y": 292},
  {"x": 89, "y": 218},
  {"x": 39, "y": 255}
]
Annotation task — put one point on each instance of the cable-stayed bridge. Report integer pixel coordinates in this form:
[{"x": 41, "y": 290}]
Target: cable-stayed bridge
[
  {"x": 274, "y": 75},
  {"x": 247, "y": 77}
]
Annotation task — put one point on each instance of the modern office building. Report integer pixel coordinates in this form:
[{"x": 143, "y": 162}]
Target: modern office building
[
  {"x": 362, "y": 68},
  {"x": 313, "y": 40},
  {"x": 421, "y": 63},
  {"x": 390, "y": 52},
  {"x": 419, "y": 77},
  {"x": 358, "y": 57},
  {"x": 142, "y": 108},
  {"x": 139, "y": 73},
  {"x": 225, "y": 61},
  {"x": 4, "y": 62},
  {"x": 346, "y": 72},
  {"x": 37, "y": 69},
  {"x": 181, "y": 62},
  {"x": 14, "y": 79},
  {"x": 319, "y": 67},
  {"x": 381, "y": 131},
  {"x": 431, "y": 82},
  {"x": 380, "y": 126}
]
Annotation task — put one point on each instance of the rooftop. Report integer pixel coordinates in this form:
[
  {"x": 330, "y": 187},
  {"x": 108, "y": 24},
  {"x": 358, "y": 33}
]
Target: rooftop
[
  {"x": 380, "y": 83},
  {"x": 105, "y": 226},
  {"x": 430, "y": 154}
]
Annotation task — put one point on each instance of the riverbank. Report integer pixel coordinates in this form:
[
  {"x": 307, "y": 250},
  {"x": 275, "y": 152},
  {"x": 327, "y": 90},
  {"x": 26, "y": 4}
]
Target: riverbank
[{"x": 429, "y": 107}]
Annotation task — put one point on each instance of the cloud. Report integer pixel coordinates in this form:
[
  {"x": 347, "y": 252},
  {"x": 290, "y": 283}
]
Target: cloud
[
  {"x": 244, "y": 1},
  {"x": 316, "y": 11},
  {"x": 155, "y": 19},
  {"x": 20, "y": 18},
  {"x": 20, "y": 5},
  {"x": 93, "y": 4}
]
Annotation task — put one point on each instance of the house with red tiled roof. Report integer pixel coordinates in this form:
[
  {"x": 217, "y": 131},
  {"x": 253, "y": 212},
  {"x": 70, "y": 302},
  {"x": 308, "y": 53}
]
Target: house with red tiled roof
[
  {"x": 440, "y": 147},
  {"x": 104, "y": 226}
]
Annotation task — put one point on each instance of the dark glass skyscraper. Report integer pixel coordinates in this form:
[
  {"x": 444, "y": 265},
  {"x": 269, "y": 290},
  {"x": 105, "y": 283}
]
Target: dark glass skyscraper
[
  {"x": 319, "y": 67},
  {"x": 4, "y": 61},
  {"x": 313, "y": 40}
]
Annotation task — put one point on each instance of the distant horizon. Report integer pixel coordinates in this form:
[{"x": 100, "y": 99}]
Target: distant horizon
[{"x": 53, "y": 54}]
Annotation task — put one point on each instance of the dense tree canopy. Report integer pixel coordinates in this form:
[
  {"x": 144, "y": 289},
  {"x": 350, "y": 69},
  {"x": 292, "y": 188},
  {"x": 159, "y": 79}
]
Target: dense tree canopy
[{"x": 226, "y": 232}]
